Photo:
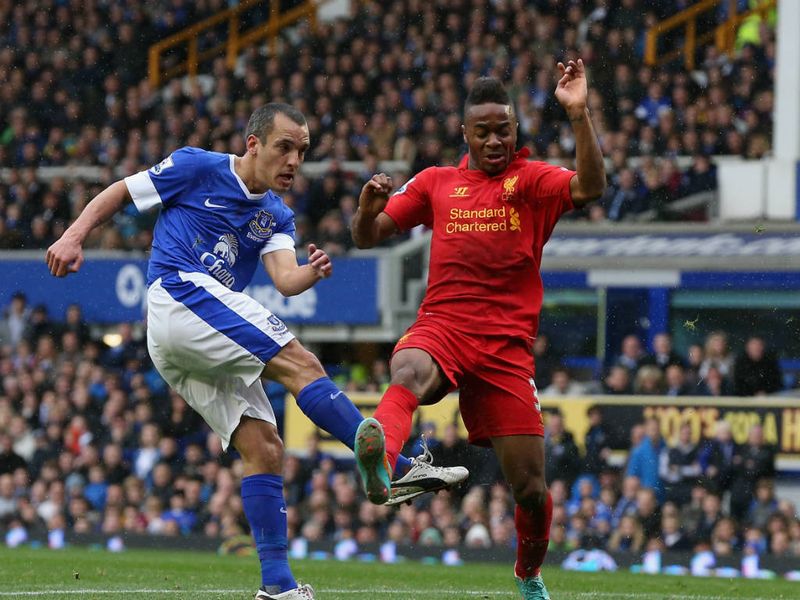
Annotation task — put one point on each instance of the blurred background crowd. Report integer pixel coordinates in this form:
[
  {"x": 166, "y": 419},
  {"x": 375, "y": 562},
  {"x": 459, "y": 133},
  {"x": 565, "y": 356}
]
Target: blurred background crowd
[
  {"x": 92, "y": 441},
  {"x": 388, "y": 83}
]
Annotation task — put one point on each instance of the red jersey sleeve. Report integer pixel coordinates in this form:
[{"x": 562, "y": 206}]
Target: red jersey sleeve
[
  {"x": 411, "y": 204},
  {"x": 550, "y": 184},
  {"x": 548, "y": 191}
]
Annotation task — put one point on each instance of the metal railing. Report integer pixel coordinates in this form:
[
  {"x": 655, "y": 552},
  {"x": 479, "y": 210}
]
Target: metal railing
[
  {"x": 723, "y": 35},
  {"x": 236, "y": 40}
]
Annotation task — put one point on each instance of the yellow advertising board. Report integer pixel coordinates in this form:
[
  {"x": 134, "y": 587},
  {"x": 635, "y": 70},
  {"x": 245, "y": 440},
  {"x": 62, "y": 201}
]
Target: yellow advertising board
[{"x": 779, "y": 417}]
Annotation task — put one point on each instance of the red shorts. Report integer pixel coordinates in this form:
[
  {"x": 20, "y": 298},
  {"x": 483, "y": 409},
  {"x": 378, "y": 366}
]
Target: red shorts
[{"x": 493, "y": 373}]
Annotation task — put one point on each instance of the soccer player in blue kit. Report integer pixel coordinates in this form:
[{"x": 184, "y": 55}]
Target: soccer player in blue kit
[{"x": 212, "y": 343}]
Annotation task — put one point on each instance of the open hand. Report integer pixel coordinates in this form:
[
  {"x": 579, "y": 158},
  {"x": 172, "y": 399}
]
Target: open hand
[
  {"x": 319, "y": 261},
  {"x": 375, "y": 193},
  {"x": 572, "y": 90},
  {"x": 64, "y": 257}
]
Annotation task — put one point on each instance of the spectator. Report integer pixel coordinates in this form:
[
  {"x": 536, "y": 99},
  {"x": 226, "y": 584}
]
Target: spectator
[
  {"x": 645, "y": 458},
  {"x": 717, "y": 457},
  {"x": 649, "y": 381},
  {"x": 632, "y": 353},
  {"x": 717, "y": 356},
  {"x": 561, "y": 454},
  {"x": 682, "y": 469},
  {"x": 15, "y": 320},
  {"x": 756, "y": 371},
  {"x": 724, "y": 540},
  {"x": 673, "y": 536},
  {"x": 702, "y": 176},
  {"x": 695, "y": 356},
  {"x": 622, "y": 199},
  {"x": 618, "y": 381},
  {"x": 712, "y": 513},
  {"x": 648, "y": 512},
  {"x": 754, "y": 460},
  {"x": 546, "y": 360},
  {"x": 676, "y": 381},
  {"x": 663, "y": 355},
  {"x": 10, "y": 461},
  {"x": 764, "y": 504},
  {"x": 714, "y": 384},
  {"x": 596, "y": 443},
  {"x": 562, "y": 384},
  {"x": 629, "y": 537}
]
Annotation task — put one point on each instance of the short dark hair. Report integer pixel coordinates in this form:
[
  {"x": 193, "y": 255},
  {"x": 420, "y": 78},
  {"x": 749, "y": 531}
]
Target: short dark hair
[
  {"x": 487, "y": 90},
  {"x": 262, "y": 120}
]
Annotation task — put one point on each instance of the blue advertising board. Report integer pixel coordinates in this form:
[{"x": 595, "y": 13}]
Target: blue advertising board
[{"x": 113, "y": 290}]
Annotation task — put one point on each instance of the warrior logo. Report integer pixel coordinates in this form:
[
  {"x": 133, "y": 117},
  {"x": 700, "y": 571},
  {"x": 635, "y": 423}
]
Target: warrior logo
[{"x": 227, "y": 247}]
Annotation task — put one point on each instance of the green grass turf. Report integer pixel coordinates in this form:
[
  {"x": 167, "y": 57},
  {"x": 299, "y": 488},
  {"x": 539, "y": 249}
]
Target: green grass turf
[{"x": 86, "y": 574}]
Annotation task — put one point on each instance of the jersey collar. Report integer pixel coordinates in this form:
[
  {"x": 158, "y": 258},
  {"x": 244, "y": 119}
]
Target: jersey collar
[
  {"x": 523, "y": 153},
  {"x": 247, "y": 193}
]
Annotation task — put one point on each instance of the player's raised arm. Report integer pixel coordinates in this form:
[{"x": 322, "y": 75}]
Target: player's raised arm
[
  {"x": 370, "y": 224},
  {"x": 65, "y": 256},
  {"x": 289, "y": 277},
  {"x": 572, "y": 92}
]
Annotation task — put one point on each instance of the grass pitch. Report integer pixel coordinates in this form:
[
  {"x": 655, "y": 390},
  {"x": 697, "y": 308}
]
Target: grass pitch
[{"x": 99, "y": 575}]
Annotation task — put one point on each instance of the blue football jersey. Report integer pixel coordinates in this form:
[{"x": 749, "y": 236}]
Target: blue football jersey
[{"x": 209, "y": 222}]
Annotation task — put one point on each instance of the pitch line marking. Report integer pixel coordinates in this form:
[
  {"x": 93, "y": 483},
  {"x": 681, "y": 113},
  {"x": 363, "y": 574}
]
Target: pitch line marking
[{"x": 393, "y": 592}]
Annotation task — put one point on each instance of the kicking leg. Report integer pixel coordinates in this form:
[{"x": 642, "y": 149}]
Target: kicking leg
[
  {"x": 317, "y": 396},
  {"x": 330, "y": 409},
  {"x": 522, "y": 460}
]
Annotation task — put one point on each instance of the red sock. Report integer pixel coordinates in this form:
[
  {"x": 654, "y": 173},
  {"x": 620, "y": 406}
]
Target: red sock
[
  {"x": 395, "y": 413},
  {"x": 533, "y": 535}
]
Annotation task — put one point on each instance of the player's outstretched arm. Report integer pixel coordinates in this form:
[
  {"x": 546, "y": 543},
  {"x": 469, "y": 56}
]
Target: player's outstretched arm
[
  {"x": 65, "y": 256},
  {"x": 572, "y": 91},
  {"x": 291, "y": 278},
  {"x": 370, "y": 224}
]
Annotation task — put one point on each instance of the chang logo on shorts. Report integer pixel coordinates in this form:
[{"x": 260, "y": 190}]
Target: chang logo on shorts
[{"x": 261, "y": 226}]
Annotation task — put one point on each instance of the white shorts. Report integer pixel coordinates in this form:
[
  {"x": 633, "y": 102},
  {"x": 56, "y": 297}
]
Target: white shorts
[{"x": 211, "y": 344}]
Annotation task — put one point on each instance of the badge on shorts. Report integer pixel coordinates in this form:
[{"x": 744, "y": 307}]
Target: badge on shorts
[{"x": 535, "y": 395}]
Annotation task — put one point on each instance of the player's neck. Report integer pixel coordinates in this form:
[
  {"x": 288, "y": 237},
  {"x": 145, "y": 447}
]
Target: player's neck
[{"x": 245, "y": 168}]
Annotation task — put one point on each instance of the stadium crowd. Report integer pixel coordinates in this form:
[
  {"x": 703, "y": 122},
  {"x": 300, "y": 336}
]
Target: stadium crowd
[
  {"x": 386, "y": 83},
  {"x": 710, "y": 368},
  {"x": 92, "y": 441}
]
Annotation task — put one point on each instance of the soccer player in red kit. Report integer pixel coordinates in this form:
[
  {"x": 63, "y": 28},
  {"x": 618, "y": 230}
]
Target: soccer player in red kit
[{"x": 490, "y": 217}]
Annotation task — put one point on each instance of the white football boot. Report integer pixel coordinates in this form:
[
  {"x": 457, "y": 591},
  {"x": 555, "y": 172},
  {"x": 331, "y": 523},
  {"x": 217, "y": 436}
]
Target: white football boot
[
  {"x": 301, "y": 592},
  {"x": 424, "y": 477}
]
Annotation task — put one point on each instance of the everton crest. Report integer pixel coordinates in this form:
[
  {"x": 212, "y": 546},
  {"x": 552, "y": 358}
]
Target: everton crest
[{"x": 261, "y": 226}]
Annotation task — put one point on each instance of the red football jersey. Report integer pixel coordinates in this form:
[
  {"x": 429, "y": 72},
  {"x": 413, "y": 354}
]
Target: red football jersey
[{"x": 488, "y": 235}]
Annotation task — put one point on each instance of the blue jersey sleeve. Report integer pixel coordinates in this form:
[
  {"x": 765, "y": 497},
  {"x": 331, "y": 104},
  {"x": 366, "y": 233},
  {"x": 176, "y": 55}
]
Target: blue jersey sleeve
[
  {"x": 284, "y": 234},
  {"x": 163, "y": 184}
]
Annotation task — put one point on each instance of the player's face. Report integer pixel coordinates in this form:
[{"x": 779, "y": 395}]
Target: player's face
[
  {"x": 278, "y": 160},
  {"x": 490, "y": 131}
]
